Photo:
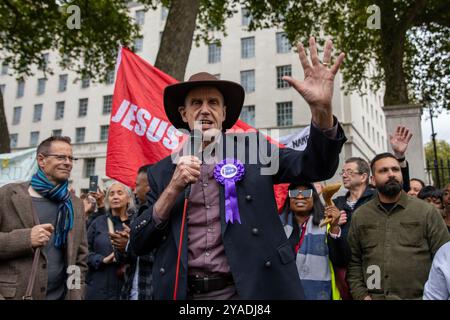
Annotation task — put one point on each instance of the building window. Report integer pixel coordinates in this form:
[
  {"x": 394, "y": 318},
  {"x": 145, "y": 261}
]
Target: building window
[
  {"x": 378, "y": 138},
  {"x": 44, "y": 63},
  {"x": 373, "y": 134},
  {"x": 283, "y": 45},
  {"x": 281, "y": 72},
  {"x": 284, "y": 114},
  {"x": 65, "y": 59},
  {"x": 246, "y": 17},
  {"x": 248, "y": 80},
  {"x": 248, "y": 115},
  {"x": 57, "y": 133},
  {"x": 13, "y": 140},
  {"x": 164, "y": 13},
  {"x": 62, "y": 86},
  {"x": 41, "y": 86},
  {"x": 2, "y": 88},
  {"x": 107, "y": 104},
  {"x": 59, "y": 114},
  {"x": 85, "y": 82},
  {"x": 17, "y": 113},
  {"x": 80, "y": 134},
  {"x": 37, "y": 114},
  {"x": 20, "y": 88},
  {"x": 110, "y": 77},
  {"x": 140, "y": 17},
  {"x": 46, "y": 59},
  {"x": 89, "y": 167},
  {"x": 138, "y": 44},
  {"x": 364, "y": 124},
  {"x": 82, "y": 107},
  {"x": 214, "y": 53},
  {"x": 371, "y": 110},
  {"x": 247, "y": 47},
  {"x": 104, "y": 132},
  {"x": 4, "y": 68},
  {"x": 376, "y": 115},
  {"x": 34, "y": 138}
]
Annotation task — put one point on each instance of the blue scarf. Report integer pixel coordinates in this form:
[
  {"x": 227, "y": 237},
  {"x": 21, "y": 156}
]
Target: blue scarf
[{"x": 59, "y": 193}]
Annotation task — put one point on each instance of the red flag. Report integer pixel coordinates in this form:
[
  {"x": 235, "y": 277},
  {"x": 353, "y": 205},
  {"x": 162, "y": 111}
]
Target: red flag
[{"x": 139, "y": 131}]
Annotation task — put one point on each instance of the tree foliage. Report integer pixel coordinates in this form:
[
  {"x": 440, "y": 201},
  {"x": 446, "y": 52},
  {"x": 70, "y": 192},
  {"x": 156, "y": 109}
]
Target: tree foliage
[
  {"x": 375, "y": 57},
  {"x": 429, "y": 67},
  {"x": 408, "y": 54},
  {"x": 30, "y": 28},
  {"x": 443, "y": 156}
]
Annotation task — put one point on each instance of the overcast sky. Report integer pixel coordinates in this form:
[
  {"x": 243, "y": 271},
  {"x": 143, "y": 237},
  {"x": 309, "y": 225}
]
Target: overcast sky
[{"x": 441, "y": 127}]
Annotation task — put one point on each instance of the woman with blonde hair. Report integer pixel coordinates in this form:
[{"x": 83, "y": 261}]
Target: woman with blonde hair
[{"x": 107, "y": 237}]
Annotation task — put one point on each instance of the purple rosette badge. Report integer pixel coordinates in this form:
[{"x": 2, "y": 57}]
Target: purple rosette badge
[{"x": 227, "y": 173}]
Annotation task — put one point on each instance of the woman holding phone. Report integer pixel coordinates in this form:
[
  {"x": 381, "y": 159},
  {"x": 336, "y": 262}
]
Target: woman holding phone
[{"x": 107, "y": 235}]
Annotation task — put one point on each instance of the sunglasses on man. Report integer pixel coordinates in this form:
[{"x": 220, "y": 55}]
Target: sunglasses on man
[{"x": 305, "y": 193}]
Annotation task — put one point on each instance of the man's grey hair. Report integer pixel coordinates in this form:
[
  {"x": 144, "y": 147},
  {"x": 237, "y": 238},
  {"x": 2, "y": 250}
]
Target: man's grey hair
[{"x": 363, "y": 166}]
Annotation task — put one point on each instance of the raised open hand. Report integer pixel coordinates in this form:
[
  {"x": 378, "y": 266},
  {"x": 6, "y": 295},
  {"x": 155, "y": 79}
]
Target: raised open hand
[
  {"x": 400, "y": 140},
  {"x": 317, "y": 87}
]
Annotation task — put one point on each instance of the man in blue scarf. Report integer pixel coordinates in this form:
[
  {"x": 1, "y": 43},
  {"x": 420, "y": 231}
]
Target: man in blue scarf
[{"x": 44, "y": 248}]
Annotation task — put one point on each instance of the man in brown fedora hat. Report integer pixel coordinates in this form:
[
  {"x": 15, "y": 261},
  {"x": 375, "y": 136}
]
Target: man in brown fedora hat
[{"x": 233, "y": 245}]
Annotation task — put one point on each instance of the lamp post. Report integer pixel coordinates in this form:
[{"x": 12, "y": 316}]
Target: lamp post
[{"x": 436, "y": 164}]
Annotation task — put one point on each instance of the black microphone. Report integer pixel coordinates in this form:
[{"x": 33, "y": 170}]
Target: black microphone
[{"x": 195, "y": 141}]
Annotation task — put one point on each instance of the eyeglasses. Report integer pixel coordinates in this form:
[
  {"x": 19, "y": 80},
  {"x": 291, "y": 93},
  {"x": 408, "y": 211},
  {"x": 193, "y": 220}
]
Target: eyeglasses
[
  {"x": 305, "y": 193},
  {"x": 348, "y": 172},
  {"x": 61, "y": 157}
]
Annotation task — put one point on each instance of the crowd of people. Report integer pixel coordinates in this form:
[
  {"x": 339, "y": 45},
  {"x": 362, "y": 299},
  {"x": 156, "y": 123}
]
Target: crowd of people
[{"x": 199, "y": 229}]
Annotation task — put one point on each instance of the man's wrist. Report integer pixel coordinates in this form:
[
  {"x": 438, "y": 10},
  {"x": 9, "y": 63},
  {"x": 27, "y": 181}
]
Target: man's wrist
[
  {"x": 322, "y": 119},
  {"x": 172, "y": 190},
  {"x": 400, "y": 156}
]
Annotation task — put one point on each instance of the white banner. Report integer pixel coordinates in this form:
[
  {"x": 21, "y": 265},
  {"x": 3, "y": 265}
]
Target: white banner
[
  {"x": 297, "y": 140},
  {"x": 17, "y": 166}
]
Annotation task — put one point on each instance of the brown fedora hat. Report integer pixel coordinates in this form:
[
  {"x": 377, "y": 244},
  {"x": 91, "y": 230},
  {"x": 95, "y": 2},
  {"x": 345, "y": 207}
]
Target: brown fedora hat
[{"x": 175, "y": 94}]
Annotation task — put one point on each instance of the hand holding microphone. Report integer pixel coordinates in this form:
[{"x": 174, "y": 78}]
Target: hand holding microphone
[{"x": 186, "y": 172}]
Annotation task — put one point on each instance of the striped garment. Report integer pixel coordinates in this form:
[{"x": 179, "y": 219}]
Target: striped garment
[{"x": 312, "y": 262}]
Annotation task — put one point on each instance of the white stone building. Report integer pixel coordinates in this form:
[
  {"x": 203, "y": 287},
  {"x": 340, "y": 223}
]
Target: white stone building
[{"x": 63, "y": 104}]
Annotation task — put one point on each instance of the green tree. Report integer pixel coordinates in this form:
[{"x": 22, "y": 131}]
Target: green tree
[
  {"x": 30, "y": 28},
  {"x": 375, "y": 56},
  {"x": 443, "y": 157},
  {"x": 430, "y": 68},
  {"x": 91, "y": 50}
]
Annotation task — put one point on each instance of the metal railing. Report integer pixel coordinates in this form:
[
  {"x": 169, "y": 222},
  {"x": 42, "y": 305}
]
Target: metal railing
[{"x": 438, "y": 172}]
